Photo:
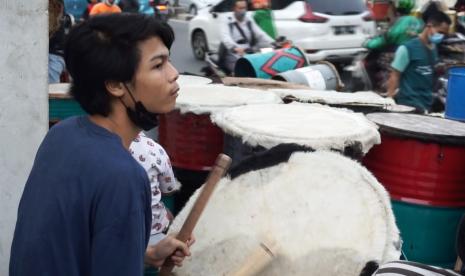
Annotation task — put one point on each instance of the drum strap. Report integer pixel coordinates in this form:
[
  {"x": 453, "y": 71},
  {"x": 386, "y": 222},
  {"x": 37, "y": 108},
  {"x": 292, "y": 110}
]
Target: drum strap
[{"x": 249, "y": 26}]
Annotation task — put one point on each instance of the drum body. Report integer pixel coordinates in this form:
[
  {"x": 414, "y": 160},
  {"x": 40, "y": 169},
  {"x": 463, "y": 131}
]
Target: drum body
[
  {"x": 191, "y": 140},
  {"x": 428, "y": 232},
  {"x": 421, "y": 162},
  {"x": 455, "y": 103},
  {"x": 267, "y": 65},
  {"x": 419, "y": 172},
  {"x": 321, "y": 76},
  {"x": 292, "y": 206},
  {"x": 60, "y": 104}
]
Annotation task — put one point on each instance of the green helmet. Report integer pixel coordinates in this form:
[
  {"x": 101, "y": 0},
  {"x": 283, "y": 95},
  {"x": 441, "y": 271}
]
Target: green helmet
[{"x": 404, "y": 6}]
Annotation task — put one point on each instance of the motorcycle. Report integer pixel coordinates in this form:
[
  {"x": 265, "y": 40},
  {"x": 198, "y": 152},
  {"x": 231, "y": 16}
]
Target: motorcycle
[{"x": 161, "y": 9}]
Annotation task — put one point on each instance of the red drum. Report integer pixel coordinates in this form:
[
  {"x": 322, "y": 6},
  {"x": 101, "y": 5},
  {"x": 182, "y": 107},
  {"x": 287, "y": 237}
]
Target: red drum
[
  {"x": 192, "y": 140},
  {"x": 187, "y": 133},
  {"x": 421, "y": 159}
]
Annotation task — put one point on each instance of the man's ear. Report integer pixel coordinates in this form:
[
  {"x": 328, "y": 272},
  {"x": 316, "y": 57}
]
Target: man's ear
[{"x": 115, "y": 88}]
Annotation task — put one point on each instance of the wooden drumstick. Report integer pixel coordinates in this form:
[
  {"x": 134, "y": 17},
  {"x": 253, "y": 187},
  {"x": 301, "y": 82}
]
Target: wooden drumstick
[
  {"x": 258, "y": 260},
  {"x": 222, "y": 164}
]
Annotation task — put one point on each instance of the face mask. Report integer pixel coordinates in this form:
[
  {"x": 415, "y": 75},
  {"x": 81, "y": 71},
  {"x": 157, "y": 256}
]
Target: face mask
[
  {"x": 240, "y": 15},
  {"x": 140, "y": 116},
  {"x": 436, "y": 38}
]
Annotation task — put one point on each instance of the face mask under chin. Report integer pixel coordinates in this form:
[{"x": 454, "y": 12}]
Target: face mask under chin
[{"x": 140, "y": 116}]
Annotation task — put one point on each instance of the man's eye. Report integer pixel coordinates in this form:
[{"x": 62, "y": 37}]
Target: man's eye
[{"x": 158, "y": 66}]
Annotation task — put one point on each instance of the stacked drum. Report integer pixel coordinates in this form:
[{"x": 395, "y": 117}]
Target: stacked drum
[
  {"x": 421, "y": 162},
  {"x": 189, "y": 136},
  {"x": 61, "y": 104}
]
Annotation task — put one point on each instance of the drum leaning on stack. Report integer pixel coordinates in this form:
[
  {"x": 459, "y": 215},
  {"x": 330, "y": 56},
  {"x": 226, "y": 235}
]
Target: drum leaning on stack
[
  {"x": 318, "y": 213},
  {"x": 61, "y": 104},
  {"x": 189, "y": 136},
  {"x": 254, "y": 128},
  {"x": 421, "y": 163}
]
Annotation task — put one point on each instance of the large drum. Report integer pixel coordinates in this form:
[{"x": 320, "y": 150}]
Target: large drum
[
  {"x": 254, "y": 128},
  {"x": 421, "y": 162},
  {"x": 61, "y": 104},
  {"x": 187, "y": 133},
  {"x": 318, "y": 213},
  {"x": 364, "y": 101}
]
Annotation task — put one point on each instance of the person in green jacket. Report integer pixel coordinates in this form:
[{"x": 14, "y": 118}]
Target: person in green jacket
[
  {"x": 264, "y": 17},
  {"x": 403, "y": 29}
]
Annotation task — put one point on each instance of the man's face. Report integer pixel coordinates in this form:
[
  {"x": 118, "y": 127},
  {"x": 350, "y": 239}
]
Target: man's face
[
  {"x": 443, "y": 28},
  {"x": 154, "y": 82},
  {"x": 240, "y": 6}
]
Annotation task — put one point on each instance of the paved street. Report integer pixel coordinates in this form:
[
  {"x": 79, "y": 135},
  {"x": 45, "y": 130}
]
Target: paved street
[{"x": 181, "y": 51}]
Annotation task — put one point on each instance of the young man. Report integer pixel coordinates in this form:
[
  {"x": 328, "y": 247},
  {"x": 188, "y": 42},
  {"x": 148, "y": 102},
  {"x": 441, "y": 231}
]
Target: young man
[
  {"x": 85, "y": 209},
  {"x": 413, "y": 66},
  {"x": 107, "y": 6}
]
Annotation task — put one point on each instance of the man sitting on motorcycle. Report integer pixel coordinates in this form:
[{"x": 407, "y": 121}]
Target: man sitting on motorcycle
[
  {"x": 413, "y": 69},
  {"x": 240, "y": 35}
]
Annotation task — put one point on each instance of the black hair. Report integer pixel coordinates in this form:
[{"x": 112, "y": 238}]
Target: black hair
[
  {"x": 436, "y": 18},
  {"x": 105, "y": 48}
]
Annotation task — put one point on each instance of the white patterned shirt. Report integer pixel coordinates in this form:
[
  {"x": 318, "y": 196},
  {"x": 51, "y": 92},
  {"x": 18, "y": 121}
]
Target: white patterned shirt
[{"x": 153, "y": 158}]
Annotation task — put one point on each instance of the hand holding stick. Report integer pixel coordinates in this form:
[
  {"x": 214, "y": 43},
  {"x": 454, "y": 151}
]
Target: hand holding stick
[{"x": 219, "y": 169}]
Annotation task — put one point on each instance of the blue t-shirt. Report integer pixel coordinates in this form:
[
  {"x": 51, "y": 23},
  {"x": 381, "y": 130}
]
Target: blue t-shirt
[{"x": 85, "y": 209}]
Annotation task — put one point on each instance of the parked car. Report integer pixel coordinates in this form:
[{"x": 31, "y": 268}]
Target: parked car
[
  {"x": 324, "y": 29},
  {"x": 193, "y": 6}
]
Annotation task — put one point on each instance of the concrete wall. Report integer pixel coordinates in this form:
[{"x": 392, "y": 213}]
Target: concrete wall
[{"x": 23, "y": 104}]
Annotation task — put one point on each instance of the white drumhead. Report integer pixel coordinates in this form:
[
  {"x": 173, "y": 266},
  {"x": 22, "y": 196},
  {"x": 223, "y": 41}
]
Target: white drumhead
[
  {"x": 327, "y": 214},
  {"x": 337, "y": 98},
  {"x": 186, "y": 80},
  {"x": 208, "y": 98},
  {"x": 313, "y": 125},
  {"x": 59, "y": 89}
]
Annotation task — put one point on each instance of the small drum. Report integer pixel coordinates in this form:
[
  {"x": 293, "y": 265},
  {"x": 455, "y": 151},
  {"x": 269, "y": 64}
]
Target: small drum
[
  {"x": 254, "y": 128},
  {"x": 324, "y": 213},
  {"x": 358, "y": 101},
  {"x": 421, "y": 163},
  {"x": 187, "y": 133},
  {"x": 61, "y": 104},
  {"x": 185, "y": 80}
]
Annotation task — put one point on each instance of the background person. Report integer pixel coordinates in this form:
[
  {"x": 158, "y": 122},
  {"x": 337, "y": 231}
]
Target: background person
[
  {"x": 239, "y": 35},
  {"x": 412, "y": 76},
  {"x": 107, "y": 6}
]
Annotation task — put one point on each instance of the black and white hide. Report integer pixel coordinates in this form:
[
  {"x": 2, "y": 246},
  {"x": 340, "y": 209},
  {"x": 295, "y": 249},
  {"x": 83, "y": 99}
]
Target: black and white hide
[{"x": 326, "y": 214}]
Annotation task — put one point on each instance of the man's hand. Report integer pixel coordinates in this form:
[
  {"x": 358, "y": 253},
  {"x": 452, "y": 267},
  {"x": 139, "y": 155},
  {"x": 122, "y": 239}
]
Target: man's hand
[
  {"x": 155, "y": 255},
  {"x": 393, "y": 83},
  {"x": 240, "y": 51}
]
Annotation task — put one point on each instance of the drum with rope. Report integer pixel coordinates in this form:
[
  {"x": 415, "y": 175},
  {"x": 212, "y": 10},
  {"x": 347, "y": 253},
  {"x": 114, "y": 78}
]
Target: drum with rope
[
  {"x": 314, "y": 213},
  {"x": 257, "y": 127},
  {"x": 421, "y": 163}
]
